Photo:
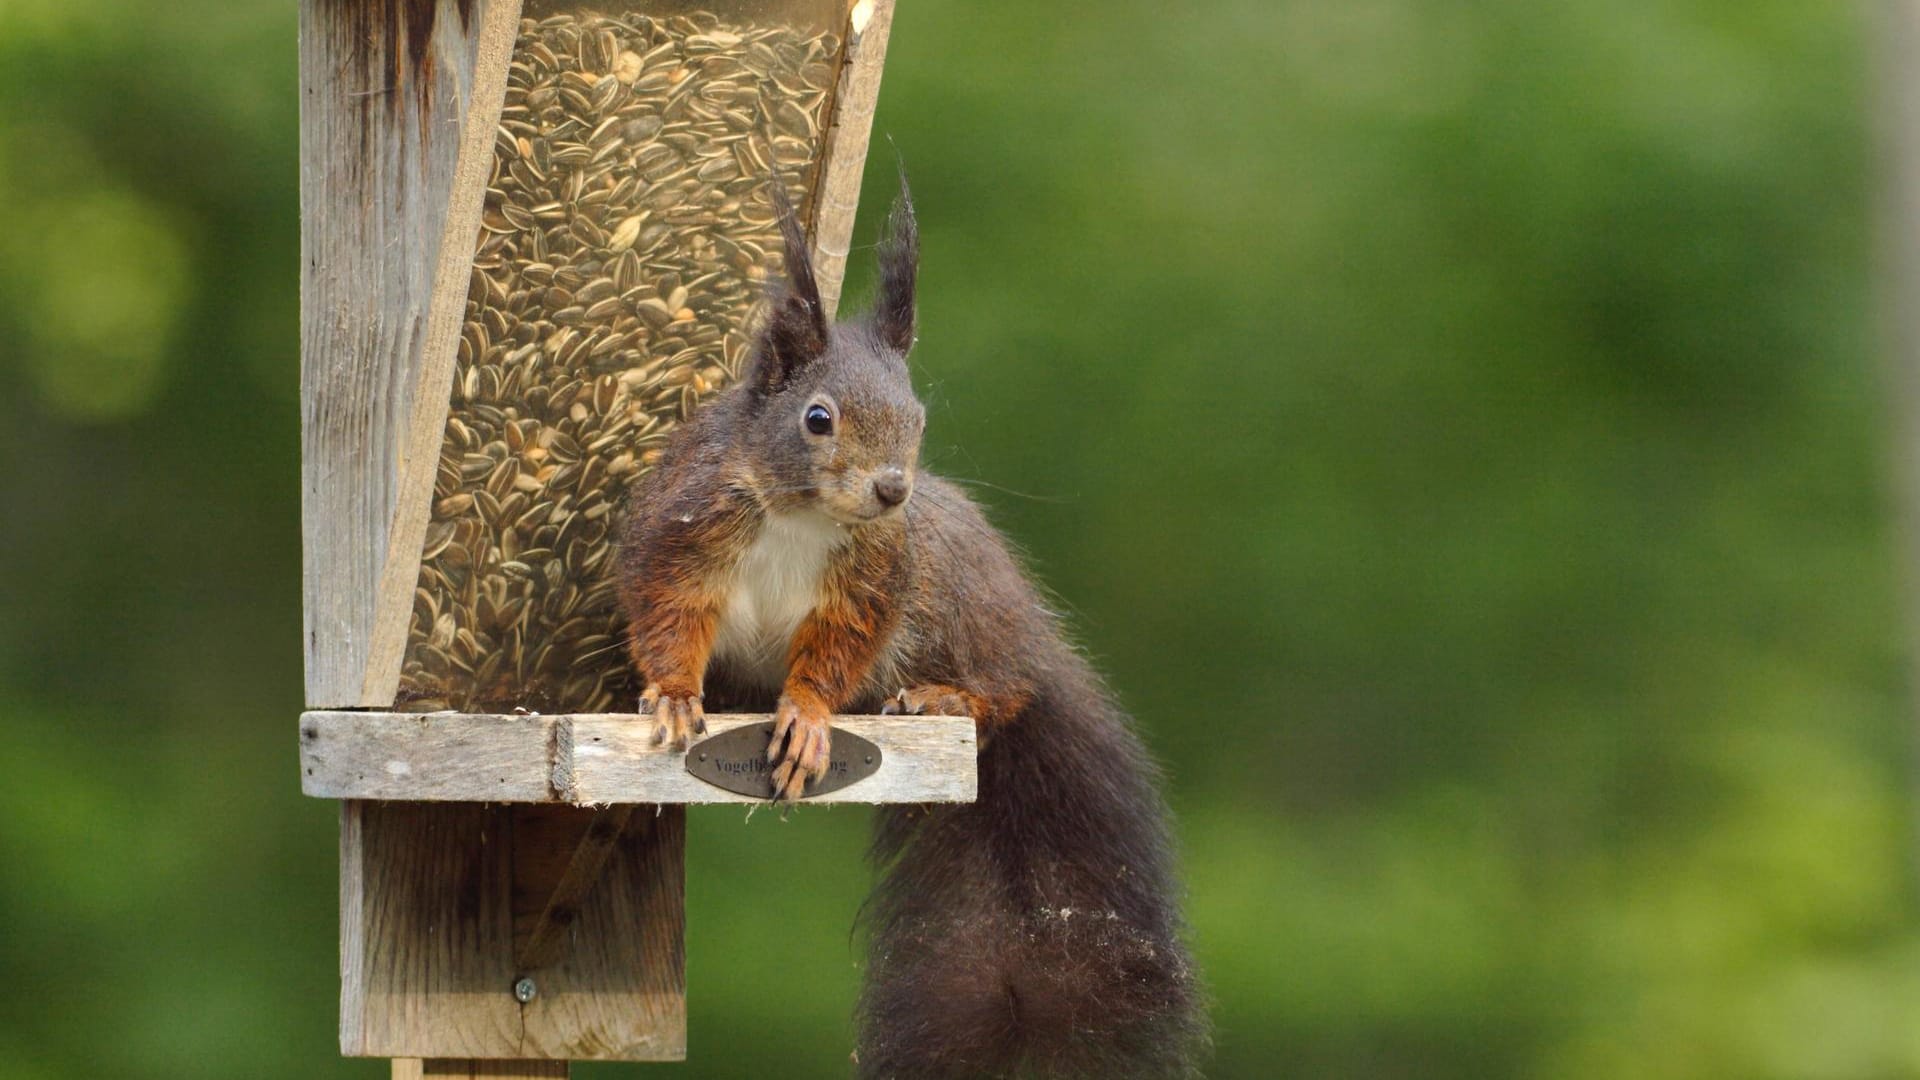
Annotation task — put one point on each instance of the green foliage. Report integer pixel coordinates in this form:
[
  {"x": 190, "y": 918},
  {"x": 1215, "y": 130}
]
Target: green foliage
[{"x": 1455, "y": 426}]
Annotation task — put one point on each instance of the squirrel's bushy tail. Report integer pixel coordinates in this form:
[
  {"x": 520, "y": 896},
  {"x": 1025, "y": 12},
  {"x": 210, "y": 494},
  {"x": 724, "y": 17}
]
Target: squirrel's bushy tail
[{"x": 1035, "y": 932}]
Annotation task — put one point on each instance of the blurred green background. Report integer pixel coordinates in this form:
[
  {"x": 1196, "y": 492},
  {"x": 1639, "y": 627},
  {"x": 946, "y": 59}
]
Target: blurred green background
[{"x": 1457, "y": 427}]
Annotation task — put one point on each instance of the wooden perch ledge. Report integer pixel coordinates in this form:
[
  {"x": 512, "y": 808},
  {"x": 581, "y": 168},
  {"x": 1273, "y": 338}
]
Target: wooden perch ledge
[{"x": 594, "y": 759}]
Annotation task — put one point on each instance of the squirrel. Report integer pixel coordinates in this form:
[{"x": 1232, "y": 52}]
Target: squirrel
[{"x": 787, "y": 550}]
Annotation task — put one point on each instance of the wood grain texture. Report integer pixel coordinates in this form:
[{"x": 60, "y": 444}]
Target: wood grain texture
[
  {"x": 837, "y": 198},
  {"x": 418, "y": 448},
  {"x": 594, "y": 759},
  {"x": 428, "y": 902},
  {"x": 616, "y": 988},
  {"x": 397, "y": 756},
  {"x": 923, "y": 759},
  {"x": 391, "y": 96},
  {"x": 441, "y": 1069},
  {"x": 547, "y": 900},
  {"x": 426, "y": 932}
]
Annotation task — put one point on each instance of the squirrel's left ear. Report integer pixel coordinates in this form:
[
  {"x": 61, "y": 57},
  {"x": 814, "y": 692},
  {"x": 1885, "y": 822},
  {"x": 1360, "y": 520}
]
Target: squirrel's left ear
[
  {"x": 893, "y": 308},
  {"x": 796, "y": 329}
]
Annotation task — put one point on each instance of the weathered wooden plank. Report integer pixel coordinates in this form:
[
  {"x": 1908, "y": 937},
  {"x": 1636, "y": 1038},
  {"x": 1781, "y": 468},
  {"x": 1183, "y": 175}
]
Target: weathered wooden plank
[
  {"x": 426, "y": 931},
  {"x": 429, "y": 894},
  {"x": 392, "y": 97},
  {"x": 427, "y": 758},
  {"x": 593, "y": 759},
  {"x": 418, "y": 447},
  {"x": 837, "y": 198},
  {"x": 923, "y": 759},
  {"x": 441, "y": 1069}
]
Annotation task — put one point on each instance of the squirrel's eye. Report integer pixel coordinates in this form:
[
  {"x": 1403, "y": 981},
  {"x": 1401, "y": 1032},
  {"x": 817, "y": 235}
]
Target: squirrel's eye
[{"x": 819, "y": 421}]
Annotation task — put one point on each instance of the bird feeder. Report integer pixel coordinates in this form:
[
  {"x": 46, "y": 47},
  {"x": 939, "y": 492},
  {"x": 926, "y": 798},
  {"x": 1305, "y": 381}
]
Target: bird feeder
[{"x": 535, "y": 235}]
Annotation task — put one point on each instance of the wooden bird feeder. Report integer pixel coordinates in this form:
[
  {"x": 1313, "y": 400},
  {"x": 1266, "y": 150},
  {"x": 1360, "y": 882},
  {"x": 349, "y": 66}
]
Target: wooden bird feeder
[{"x": 534, "y": 235}]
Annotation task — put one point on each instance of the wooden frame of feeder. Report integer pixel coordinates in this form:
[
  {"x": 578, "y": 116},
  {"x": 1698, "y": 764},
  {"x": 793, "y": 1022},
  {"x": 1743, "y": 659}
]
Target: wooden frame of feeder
[{"x": 511, "y": 886}]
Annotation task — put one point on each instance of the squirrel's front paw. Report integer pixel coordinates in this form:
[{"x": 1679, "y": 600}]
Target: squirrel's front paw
[
  {"x": 931, "y": 699},
  {"x": 799, "y": 750},
  {"x": 676, "y": 717}
]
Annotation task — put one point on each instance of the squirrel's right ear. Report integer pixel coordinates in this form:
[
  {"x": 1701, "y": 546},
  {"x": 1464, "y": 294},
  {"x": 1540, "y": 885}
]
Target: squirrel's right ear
[
  {"x": 893, "y": 306},
  {"x": 796, "y": 330}
]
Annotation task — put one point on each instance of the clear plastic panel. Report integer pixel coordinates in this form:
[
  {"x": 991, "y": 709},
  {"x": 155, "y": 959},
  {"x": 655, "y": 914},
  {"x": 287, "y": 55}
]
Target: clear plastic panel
[{"x": 625, "y": 243}]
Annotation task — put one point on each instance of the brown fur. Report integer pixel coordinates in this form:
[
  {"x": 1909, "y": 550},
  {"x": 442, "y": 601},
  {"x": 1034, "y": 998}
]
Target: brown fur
[{"x": 1035, "y": 932}]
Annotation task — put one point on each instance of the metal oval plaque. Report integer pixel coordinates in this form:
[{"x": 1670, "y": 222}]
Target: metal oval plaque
[{"x": 737, "y": 761}]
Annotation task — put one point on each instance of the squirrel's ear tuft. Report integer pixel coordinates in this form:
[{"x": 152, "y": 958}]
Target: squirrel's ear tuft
[
  {"x": 893, "y": 308},
  {"x": 796, "y": 330}
]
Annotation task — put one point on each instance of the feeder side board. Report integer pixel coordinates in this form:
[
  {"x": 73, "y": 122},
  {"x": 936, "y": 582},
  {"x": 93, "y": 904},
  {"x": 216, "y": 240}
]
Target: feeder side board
[
  {"x": 396, "y": 129},
  {"x": 391, "y": 950},
  {"x": 433, "y": 897},
  {"x": 838, "y": 195},
  {"x": 499, "y": 21}
]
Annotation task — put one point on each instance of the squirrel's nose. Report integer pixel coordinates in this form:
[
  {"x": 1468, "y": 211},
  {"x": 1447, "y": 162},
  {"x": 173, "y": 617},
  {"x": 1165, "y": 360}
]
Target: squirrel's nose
[{"x": 890, "y": 486}]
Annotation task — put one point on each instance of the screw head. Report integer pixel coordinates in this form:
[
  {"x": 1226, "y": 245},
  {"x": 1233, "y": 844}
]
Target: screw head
[
  {"x": 869, "y": 759},
  {"x": 524, "y": 990}
]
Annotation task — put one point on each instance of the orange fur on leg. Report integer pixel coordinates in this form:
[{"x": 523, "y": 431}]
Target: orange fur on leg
[{"x": 832, "y": 653}]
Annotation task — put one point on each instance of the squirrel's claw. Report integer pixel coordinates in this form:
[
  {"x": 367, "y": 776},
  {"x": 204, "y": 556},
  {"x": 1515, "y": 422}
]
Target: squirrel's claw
[
  {"x": 800, "y": 749},
  {"x": 676, "y": 717}
]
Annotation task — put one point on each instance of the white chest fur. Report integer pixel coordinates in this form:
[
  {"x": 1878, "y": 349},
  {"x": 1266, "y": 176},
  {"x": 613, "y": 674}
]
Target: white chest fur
[{"x": 773, "y": 587}]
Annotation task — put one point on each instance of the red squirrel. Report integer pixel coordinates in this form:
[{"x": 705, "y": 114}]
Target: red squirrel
[{"x": 788, "y": 551}]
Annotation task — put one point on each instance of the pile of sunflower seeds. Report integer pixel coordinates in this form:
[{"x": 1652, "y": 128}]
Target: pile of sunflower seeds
[{"x": 626, "y": 238}]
